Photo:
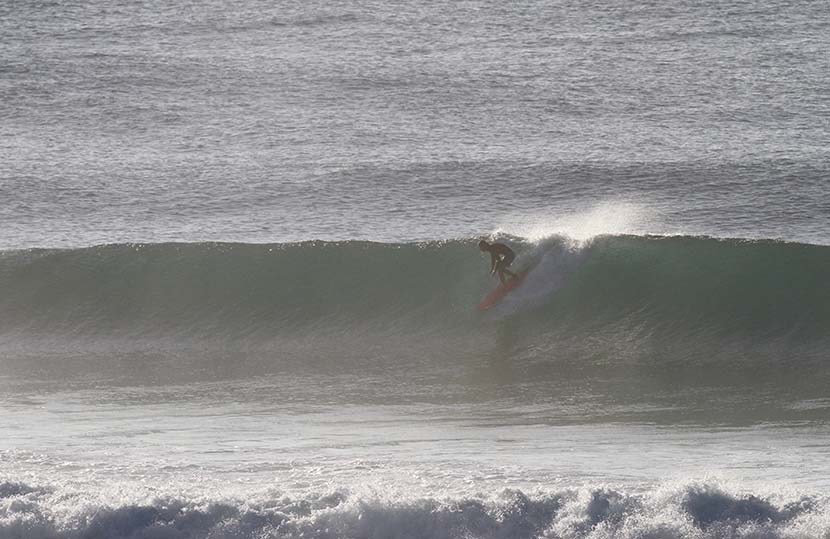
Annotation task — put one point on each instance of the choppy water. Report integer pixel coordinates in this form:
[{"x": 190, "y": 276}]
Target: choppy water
[
  {"x": 288, "y": 121},
  {"x": 239, "y": 269}
]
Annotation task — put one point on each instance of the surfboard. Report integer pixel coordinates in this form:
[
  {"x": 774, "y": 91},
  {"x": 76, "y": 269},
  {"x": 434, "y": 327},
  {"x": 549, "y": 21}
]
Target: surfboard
[{"x": 502, "y": 290}]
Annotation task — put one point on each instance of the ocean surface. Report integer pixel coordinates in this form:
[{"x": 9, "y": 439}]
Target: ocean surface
[{"x": 239, "y": 271}]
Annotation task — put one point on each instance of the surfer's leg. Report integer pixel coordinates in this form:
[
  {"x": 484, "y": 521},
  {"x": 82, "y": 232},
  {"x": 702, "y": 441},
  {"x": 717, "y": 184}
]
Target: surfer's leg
[
  {"x": 506, "y": 262},
  {"x": 500, "y": 270}
]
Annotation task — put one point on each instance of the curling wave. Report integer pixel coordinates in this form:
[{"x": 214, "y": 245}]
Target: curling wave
[{"x": 623, "y": 295}]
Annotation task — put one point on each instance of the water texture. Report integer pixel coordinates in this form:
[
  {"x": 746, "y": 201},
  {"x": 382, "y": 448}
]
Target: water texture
[{"x": 239, "y": 271}]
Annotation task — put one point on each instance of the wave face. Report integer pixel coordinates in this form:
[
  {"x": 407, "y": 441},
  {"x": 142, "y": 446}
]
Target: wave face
[
  {"x": 698, "y": 511},
  {"x": 614, "y": 298}
]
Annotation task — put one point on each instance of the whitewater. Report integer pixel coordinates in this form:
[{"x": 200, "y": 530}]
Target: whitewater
[{"x": 239, "y": 269}]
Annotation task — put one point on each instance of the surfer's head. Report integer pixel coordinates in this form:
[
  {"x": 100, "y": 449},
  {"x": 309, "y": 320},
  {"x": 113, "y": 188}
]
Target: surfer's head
[{"x": 483, "y": 245}]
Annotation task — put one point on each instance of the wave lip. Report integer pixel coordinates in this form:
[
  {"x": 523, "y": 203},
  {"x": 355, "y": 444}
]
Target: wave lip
[{"x": 696, "y": 510}]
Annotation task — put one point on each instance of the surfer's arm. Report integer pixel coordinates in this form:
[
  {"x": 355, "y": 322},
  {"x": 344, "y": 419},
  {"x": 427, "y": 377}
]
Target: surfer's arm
[{"x": 494, "y": 259}]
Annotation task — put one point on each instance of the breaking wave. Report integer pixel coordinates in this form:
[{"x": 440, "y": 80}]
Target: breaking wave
[
  {"x": 621, "y": 296},
  {"x": 694, "y": 511}
]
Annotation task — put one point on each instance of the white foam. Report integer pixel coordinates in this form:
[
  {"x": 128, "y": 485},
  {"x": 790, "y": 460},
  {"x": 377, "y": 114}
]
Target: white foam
[
  {"x": 553, "y": 265},
  {"x": 592, "y": 511}
]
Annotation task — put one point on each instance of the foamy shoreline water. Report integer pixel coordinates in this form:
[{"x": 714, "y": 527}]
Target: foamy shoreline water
[{"x": 696, "y": 510}]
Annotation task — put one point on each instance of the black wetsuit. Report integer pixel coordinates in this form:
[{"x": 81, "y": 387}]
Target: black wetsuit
[{"x": 504, "y": 254}]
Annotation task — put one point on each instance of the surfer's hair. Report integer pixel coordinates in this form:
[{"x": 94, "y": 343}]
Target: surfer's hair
[{"x": 482, "y": 244}]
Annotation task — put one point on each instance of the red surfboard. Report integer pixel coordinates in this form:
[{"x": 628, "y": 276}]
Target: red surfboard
[{"x": 502, "y": 290}]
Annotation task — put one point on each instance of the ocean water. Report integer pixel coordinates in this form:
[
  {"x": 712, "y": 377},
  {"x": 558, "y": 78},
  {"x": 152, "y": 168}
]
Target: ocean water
[{"x": 239, "y": 271}]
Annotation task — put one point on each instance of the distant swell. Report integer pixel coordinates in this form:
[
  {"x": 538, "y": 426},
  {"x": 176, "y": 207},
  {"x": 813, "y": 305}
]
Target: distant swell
[
  {"x": 618, "y": 295},
  {"x": 694, "y": 511}
]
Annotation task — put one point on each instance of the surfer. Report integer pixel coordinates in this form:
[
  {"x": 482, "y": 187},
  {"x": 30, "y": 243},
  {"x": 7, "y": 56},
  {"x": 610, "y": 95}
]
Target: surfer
[{"x": 501, "y": 256}]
